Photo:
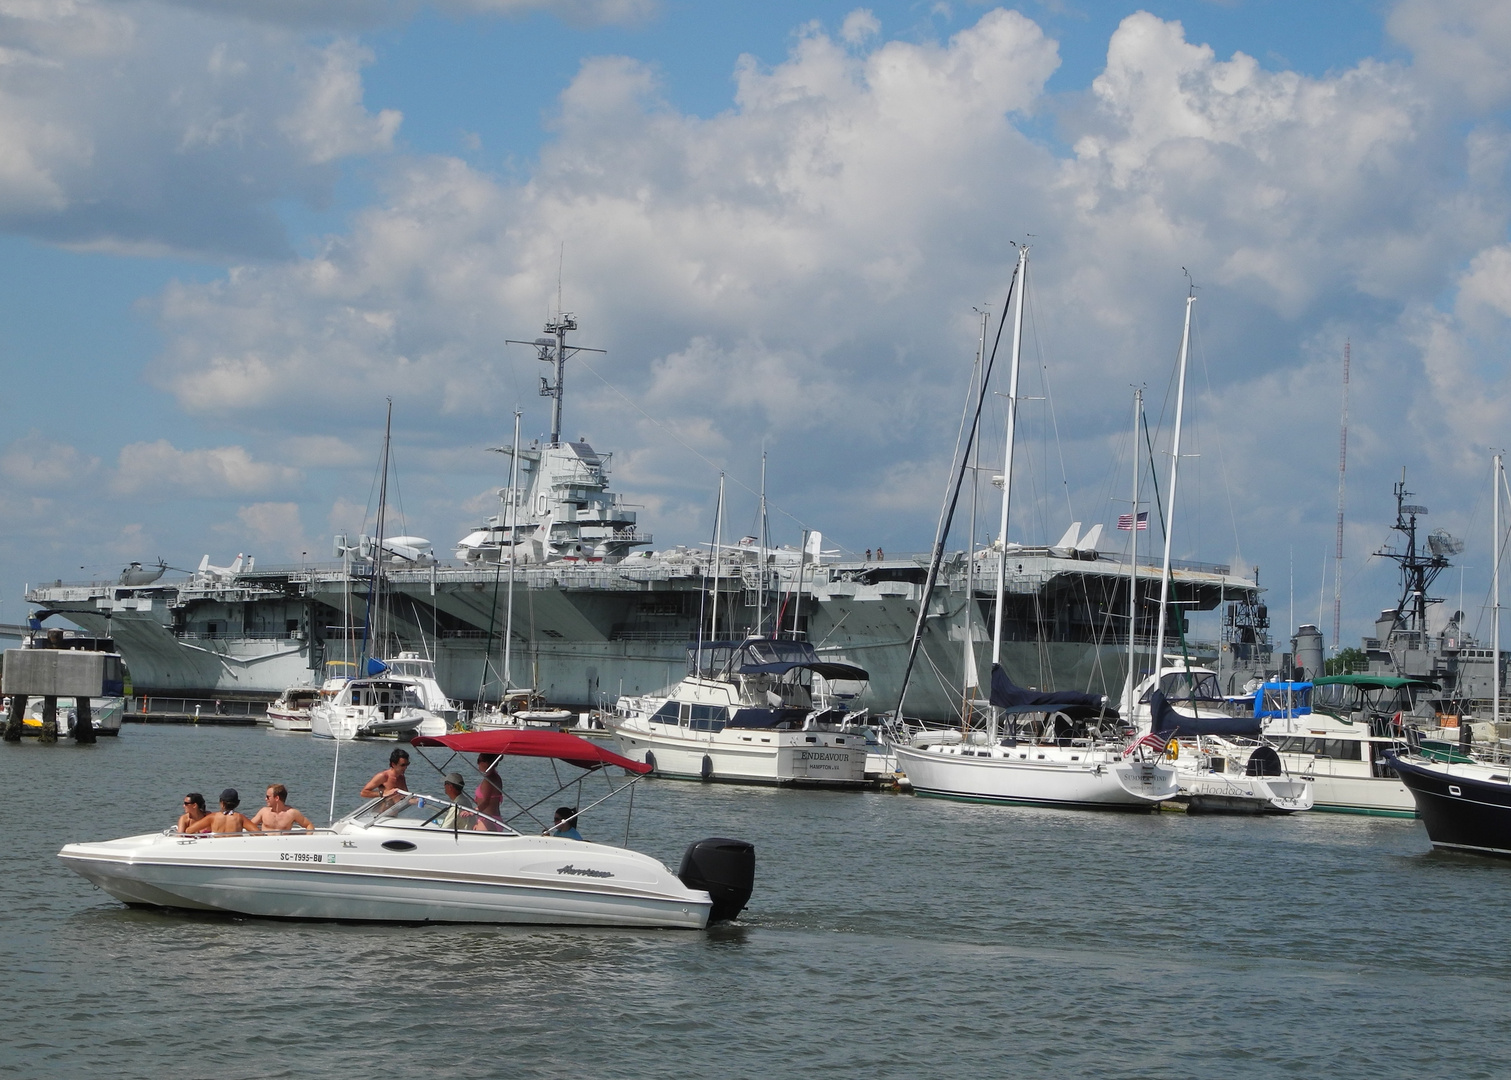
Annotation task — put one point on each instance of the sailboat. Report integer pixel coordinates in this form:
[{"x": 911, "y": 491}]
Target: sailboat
[
  {"x": 1222, "y": 765},
  {"x": 1040, "y": 748},
  {"x": 377, "y": 702}
]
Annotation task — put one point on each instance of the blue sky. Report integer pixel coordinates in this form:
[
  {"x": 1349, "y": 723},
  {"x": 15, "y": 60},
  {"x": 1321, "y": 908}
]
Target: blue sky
[{"x": 229, "y": 230}]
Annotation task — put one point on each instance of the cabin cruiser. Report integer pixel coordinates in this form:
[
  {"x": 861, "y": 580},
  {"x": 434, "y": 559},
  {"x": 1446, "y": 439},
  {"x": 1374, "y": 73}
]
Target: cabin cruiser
[
  {"x": 1046, "y": 748},
  {"x": 522, "y": 709},
  {"x": 1343, "y": 738},
  {"x": 375, "y": 707},
  {"x": 419, "y": 672},
  {"x": 291, "y": 711},
  {"x": 1223, "y": 762},
  {"x": 411, "y": 857},
  {"x": 747, "y": 713}
]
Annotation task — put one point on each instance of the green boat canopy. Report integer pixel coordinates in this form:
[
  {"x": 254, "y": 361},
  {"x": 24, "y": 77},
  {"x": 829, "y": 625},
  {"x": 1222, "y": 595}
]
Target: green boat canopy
[{"x": 1375, "y": 682}]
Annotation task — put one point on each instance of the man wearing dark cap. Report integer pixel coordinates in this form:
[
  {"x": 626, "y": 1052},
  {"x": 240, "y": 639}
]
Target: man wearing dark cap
[{"x": 228, "y": 820}]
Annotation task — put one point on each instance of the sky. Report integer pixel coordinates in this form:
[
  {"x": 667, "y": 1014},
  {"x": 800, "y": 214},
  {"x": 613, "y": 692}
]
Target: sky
[{"x": 231, "y": 230}]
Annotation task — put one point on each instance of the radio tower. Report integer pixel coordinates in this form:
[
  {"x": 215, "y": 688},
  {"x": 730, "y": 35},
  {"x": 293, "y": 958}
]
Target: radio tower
[{"x": 1342, "y": 472}]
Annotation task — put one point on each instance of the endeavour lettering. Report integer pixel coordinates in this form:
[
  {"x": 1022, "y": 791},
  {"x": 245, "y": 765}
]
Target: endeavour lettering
[{"x": 575, "y": 872}]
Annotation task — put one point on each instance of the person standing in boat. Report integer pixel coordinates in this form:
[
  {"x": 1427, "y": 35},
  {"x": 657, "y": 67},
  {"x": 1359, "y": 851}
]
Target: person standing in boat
[
  {"x": 278, "y": 815},
  {"x": 391, "y": 779},
  {"x": 489, "y": 796},
  {"x": 194, "y": 812}
]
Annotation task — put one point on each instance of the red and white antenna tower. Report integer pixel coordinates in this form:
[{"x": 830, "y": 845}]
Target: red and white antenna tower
[{"x": 1342, "y": 472}]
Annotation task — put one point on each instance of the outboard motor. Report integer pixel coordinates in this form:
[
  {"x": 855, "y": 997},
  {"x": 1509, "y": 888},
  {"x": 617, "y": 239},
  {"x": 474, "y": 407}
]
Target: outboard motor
[{"x": 725, "y": 869}]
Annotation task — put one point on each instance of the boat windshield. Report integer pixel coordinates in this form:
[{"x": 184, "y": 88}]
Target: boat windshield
[
  {"x": 1188, "y": 686},
  {"x": 408, "y": 810}
]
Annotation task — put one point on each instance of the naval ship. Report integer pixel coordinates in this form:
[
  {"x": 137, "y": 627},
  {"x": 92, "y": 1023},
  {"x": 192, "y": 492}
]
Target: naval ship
[{"x": 595, "y": 614}]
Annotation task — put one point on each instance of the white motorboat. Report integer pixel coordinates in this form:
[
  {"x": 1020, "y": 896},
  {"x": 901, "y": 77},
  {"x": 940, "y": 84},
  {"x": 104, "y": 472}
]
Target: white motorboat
[
  {"x": 373, "y": 708},
  {"x": 410, "y": 857},
  {"x": 105, "y": 714},
  {"x": 291, "y": 711},
  {"x": 522, "y": 709},
  {"x": 1343, "y": 740},
  {"x": 745, "y": 714},
  {"x": 419, "y": 672}
]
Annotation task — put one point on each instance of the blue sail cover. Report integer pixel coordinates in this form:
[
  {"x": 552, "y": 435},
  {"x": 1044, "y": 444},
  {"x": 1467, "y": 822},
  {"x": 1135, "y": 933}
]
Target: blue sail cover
[
  {"x": 1006, "y": 695},
  {"x": 375, "y": 666},
  {"x": 1164, "y": 720}
]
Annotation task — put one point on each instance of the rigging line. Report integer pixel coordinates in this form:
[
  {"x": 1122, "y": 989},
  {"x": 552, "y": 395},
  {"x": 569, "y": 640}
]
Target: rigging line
[
  {"x": 1222, "y": 461},
  {"x": 696, "y": 453},
  {"x": 1049, "y": 400}
]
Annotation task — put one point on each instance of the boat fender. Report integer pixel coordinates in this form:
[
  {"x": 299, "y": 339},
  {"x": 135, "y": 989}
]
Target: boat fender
[
  {"x": 707, "y": 769},
  {"x": 650, "y": 759},
  {"x": 723, "y": 868}
]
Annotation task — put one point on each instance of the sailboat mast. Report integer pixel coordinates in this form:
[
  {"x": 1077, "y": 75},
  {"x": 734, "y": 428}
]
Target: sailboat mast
[
  {"x": 1180, "y": 408},
  {"x": 1138, "y": 411},
  {"x": 372, "y": 632},
  {"x": 1495, "y": 623},
  {"x": 761, "y": 583},
  {"x": 513, "y": 547},
  {"x": 713, "y": 618},
  {"x": 1007, "y": 463}
]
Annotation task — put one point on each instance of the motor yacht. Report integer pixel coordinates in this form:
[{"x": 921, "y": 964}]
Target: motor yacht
[
  {"x": 291, "y": 711},
  {"x": 746, "y": 713},
  {"x": 412, "y": 857}
]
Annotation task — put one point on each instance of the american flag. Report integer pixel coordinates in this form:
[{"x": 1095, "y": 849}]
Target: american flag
[
  {"x": 1153, "y": 741},
  {"x": 1125, "y": 522}
]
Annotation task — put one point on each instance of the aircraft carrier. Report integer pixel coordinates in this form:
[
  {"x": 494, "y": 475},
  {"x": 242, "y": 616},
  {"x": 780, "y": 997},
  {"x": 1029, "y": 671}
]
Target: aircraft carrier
[{"x": 593, "y": 615}]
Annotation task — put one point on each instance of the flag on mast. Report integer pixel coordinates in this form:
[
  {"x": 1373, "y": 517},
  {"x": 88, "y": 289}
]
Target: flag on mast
[{"x": 1125, "y": 522}]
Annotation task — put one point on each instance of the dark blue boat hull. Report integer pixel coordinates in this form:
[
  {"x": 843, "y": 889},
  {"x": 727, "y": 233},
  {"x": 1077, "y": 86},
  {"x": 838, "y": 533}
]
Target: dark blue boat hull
[{"x": 1464, "y": 813}]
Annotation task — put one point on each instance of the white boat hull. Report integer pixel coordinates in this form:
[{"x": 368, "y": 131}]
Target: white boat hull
[
  {"x": 106, "y": 714},
  {"x": 1037, "y": 775},
  {"x": 749, "y": 756},
  {"x": 348, "y": 874},
  {"x": 1378, "y": 796},
  {"x": 1222, "y": 793}
]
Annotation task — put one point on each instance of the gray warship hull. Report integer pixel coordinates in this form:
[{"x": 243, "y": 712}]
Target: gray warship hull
[{"x": 583, "y": 634}]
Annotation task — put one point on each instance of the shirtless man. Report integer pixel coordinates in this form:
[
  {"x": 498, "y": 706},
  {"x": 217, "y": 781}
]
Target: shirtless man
[
  {"x": 194, "y": 811},
  {"x": 390, "y": 779},
  {"x": 228, "y": 820},
  {"x": 278, "y": 815}
]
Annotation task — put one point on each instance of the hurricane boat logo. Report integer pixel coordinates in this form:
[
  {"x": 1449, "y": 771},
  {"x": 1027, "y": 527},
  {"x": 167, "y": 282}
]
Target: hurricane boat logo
[{"x": 576, "y": 872}]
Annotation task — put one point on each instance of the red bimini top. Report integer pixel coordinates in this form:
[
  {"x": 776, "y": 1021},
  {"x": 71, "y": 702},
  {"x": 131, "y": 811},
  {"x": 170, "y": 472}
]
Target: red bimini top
[{"x": 526, "y": 743}]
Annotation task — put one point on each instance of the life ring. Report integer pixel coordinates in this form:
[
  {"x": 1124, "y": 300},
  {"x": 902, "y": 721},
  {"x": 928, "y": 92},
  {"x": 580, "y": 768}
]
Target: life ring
[{"x": 1173, "y": 750}]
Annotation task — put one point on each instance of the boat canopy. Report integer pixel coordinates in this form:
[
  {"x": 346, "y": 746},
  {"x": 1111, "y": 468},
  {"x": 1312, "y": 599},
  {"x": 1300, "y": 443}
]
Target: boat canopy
[
  {"x": 1165, "y": 720},
  {"x": 1007, "y": 695},
  {"x": 527, "y": 743},
  {"x": 767, "y": 656},
  {"x": 1375, "y": 682}
]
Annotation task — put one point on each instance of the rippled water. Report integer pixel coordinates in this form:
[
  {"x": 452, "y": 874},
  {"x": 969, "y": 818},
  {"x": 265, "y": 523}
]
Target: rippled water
[{"x": 888, "y": 936}]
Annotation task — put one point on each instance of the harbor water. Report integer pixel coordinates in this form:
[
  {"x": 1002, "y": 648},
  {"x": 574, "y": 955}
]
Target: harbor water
[{"x": 889, "y": 936}]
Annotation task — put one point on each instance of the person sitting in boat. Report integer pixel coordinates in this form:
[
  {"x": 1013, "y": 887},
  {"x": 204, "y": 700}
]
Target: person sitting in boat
[
  {"x": 278, "y": 815},
  {"x": 457, "y": 816},
  {"x": 566, "y": 823},
  {"x": 391, "y": 779},
  {"x": 194, "y": 812},
  {"x": 228, "y": 821},
  {"x": 489, "y": 796}
]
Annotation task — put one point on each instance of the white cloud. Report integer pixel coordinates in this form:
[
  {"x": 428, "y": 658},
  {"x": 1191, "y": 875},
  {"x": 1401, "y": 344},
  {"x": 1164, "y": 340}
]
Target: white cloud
[
  {"x": 274, "y": 528},
  {"x": 161, "y": 470},
  {"x": 142, "y": 127},
  {"x": 1465, "y": 44},
  {"x": 38, "y": 463},
  {"x": 799, "y": 271}
]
